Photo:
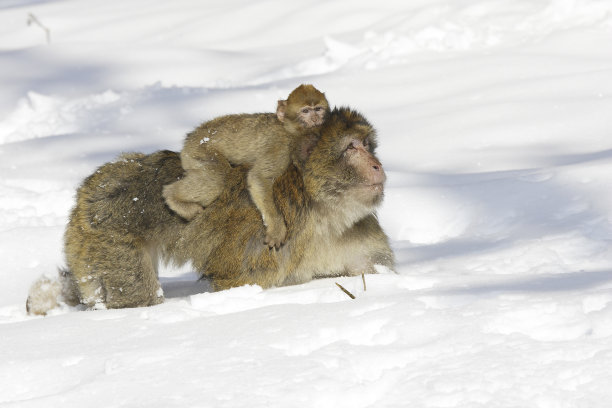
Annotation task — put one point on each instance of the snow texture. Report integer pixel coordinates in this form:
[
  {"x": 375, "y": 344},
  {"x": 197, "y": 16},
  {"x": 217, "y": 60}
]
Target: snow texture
[{"x": 495, "y": 128}]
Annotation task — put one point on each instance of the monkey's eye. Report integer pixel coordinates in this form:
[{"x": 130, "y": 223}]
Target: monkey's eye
[
  {"x": 305, "y": 110},
  {"x": 352, "y": 145},
  {"x": 349, "y": 148},
  {"x": 318, "y": 108}
]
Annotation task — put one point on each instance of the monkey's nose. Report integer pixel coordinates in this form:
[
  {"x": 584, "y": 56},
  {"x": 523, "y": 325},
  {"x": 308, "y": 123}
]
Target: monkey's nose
[{"x": 377, "y": 174}]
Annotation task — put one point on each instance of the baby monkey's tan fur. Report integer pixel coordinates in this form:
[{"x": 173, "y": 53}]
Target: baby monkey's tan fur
[{"x": 265, "y": 142}]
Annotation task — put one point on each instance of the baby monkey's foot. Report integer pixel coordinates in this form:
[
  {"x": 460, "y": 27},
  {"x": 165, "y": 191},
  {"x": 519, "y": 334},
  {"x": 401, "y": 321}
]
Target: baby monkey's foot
[
  {"x": 186, "y": 209},
  {"x": 276, "y": 234}
]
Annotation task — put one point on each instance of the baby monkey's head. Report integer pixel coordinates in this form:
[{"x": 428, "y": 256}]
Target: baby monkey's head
[{"x": 305, "y": 107}]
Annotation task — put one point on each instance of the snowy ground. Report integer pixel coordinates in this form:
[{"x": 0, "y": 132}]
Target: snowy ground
[{"x": 495, "y": 125}]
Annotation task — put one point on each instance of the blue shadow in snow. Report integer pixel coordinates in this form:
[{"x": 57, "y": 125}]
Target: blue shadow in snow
[
  {"x": 179, "y": 287},
  {"x": 562, "y": 282}
]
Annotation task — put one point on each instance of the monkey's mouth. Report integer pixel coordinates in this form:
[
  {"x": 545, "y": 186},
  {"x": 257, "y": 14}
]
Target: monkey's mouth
[
  {"x": 376, "y": 188},
  {"x": 371, "y": 194}
]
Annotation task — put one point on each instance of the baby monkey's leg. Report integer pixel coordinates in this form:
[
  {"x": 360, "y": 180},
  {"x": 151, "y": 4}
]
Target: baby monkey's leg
[
  {"x": 203, "y": 182},
  {"x": 260, "y": 188}
]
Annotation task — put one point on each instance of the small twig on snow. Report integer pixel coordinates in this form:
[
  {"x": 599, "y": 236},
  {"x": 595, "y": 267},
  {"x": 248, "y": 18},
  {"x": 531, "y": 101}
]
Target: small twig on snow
[
  {"x": 345, "y": 291},
  {"x": 33, "y": 20},
  {"x": 363, "y": 278}
]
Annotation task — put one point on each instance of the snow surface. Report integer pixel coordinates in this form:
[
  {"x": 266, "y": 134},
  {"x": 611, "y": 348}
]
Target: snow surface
[{"x": 495, "y": 125}]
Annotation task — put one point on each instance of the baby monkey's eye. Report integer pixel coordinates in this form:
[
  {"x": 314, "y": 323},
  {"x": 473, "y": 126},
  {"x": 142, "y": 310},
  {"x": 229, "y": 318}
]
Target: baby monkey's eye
[
  {"x": 319, "y": 108},
  {"x": 305, "y": 110}
]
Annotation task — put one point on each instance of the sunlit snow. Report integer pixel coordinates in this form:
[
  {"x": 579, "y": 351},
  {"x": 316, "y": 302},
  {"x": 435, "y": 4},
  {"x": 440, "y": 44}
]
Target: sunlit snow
[{"x": 495, "y": 130}]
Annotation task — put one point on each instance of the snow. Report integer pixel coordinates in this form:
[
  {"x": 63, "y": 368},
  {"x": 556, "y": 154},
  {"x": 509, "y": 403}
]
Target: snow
[{"x": 494, "y": 125}]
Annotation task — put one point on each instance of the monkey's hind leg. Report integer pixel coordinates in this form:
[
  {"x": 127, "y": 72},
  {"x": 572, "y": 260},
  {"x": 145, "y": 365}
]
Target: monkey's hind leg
[
  {"x": 133, "y": 280},
  {"x": 114, "y": 274}
]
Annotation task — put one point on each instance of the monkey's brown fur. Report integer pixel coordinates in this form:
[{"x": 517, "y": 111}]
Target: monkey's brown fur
[
  {"x": 121, "y": 226},
  {"x": 265, "y": 142}
]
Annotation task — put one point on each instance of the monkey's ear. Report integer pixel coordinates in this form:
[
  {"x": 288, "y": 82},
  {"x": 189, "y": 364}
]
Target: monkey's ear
[{"x": 281, "y": 108}]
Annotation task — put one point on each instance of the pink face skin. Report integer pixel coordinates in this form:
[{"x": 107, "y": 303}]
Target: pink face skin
[
  {"x": 311, "y": 116},
  {"x": 366, "y": 165}
]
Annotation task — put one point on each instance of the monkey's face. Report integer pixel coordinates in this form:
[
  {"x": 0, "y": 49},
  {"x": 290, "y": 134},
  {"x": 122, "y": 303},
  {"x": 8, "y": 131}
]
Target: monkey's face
[
  {"x": 361, "y": 170},
  {"x": 310, "y": 116},
  {"x": 306, "y": 107},
  {"x": 343, "y": 163}
]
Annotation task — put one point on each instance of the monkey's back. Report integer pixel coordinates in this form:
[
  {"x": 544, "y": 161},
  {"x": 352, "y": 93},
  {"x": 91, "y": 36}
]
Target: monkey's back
[{"x": 240, "y": 138}]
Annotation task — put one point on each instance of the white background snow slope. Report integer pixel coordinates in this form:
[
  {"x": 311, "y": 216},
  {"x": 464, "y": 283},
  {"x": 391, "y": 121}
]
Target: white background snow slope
[{"x": 495, "y": 127}]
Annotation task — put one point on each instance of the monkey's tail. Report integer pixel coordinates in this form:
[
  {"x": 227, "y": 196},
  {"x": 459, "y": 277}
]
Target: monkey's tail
[{"x": 49, "y": 293}]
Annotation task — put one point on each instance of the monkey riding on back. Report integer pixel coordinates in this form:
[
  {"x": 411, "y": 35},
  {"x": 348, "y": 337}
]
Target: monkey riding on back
[
  {"x": 113, "y": 243},
  {"x": 266, "y": 142}
]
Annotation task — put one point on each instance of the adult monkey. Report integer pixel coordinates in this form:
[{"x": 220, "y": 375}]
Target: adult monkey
[{"x": 120, "y": 225}]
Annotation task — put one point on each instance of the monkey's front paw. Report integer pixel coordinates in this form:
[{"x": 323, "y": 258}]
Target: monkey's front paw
[{"x": 276, "y": 235}]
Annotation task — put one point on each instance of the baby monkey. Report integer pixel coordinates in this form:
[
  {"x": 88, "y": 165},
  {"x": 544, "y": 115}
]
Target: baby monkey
[{"x": 266, "y": 142}]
